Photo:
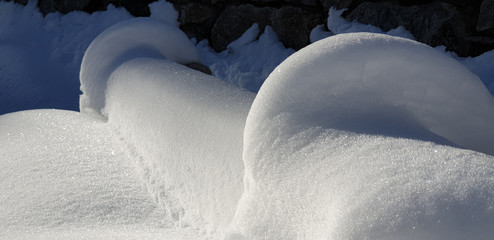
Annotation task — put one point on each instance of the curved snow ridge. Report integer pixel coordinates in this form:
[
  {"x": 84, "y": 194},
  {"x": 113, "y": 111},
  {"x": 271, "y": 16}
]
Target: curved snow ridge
[
  {"x": 341, "y": 143},
  {"x": 139, "y": 37},
  {"x": 186, "y": 129},
  {"x": 378, "y": 84}
]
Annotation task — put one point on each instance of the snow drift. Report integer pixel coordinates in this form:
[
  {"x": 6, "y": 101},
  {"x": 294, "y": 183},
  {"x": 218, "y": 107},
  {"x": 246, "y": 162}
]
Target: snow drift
[
  {"x": 185, "y": 130},
  {"x": 353, "y": 137},
  {"x": 130, "y": 39},
  {"x": 342, "y": 143},
  {"x": 62, "y": 173}
]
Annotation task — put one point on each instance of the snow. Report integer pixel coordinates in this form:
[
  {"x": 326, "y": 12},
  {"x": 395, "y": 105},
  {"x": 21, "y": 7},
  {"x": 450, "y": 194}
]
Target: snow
[
  {"x": 321, "y": 163},
  {"x": 248, "y": 60},
  {"x": 164, "y": 11},
  {"x": 368, "y": 82},
  {"x": 357, "y": 136},
  {"x": 139, "y": 37},
  {"x": 319, "y": 33},
  {"x": 185, "y": 129},
  {"x": 40, "y": 57},
  {"x": 482, "y": 67},
  {"x": 62, "y": 174}
]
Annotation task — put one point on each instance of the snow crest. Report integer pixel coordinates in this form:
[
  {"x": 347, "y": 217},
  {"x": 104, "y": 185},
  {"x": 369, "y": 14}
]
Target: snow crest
[
  {"x": 186, "y": 128},
  {"x": 345, "y": 140},
  {"x": 140, "y": 37}
]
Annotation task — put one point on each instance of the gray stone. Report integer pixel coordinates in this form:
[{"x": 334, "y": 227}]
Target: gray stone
[
  {"x": 234, "y": 21},
  {"x": 309, "y": 3},
  {"x": 47, "y": 6},
  {"x": 195, "y": 13},
  {"x": 486, "y": 16},
  {"x": 439, "y": 24},
  {"x": 196, "y": 19},
  {"x": 384, "y": 15},
  {"x": 74, "y": 5},
  {"x": 65, "y": 6},
  {"x": 199, "y": 67},
  {"x": 293, "y": 25},
  {"x": 338, "y": 4},
  {"x": 435, "y": 23}
]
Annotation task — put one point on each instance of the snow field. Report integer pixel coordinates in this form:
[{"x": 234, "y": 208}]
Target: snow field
[
  {"x": 353, "y": 137},
  {"x": 62, "y": 173}
]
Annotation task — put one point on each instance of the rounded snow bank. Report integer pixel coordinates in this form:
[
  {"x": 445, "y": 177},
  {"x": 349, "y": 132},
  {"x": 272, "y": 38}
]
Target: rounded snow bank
[
  {"x": 185, "y": 130},
  {"x": 373, "y": 83},
  {"x": 341, "y": 143},
  {"x": 130, "y": 39}
]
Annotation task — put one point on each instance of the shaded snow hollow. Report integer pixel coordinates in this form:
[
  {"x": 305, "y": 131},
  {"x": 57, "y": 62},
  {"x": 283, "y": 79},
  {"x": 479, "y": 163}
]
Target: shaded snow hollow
[{"x": 352, "y": 137}]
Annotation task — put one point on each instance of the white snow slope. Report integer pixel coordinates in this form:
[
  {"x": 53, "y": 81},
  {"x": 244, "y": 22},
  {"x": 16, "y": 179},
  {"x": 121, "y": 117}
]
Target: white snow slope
[
  {"x": 357, "y": 136},
  {"x": 63, "y": 175},
  {"x": 339, "y": 144}
]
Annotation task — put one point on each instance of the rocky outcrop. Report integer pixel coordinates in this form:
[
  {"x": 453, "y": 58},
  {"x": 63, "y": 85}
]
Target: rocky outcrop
[{"x": 465, "y": 27}]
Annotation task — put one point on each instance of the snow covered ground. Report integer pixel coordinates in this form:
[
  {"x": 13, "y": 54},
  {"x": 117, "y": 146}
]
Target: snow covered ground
[{"x": 357, "y": 136}]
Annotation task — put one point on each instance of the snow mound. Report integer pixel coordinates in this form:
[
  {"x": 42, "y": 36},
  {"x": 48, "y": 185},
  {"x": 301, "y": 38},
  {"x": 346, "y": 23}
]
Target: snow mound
[
  {"x": 373, "y": 83},
  {"x": 130, "y": 39},
  {"x": 62, "y": 170},
  {"x": 482, "y": 67},
  {"x": 342, "y": 142},
  {"x": 185, "y": 129}
]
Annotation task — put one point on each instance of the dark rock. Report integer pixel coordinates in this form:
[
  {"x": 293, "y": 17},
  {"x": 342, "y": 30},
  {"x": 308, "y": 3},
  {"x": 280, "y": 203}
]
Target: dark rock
[
  {"x": 309, "y": 3},
  {"x": 77, "y": 5},
  {"x": 196, "y": 19},
  {"x": 439, "y": 24},
  {"x": 66, "y": 6},
  {"x": 338, "y": 4},
  {"x": 199, "y": 67},
  {"x": 486, "y": 16},
  {"x": 47, "y": 6},
  {"x": 195, "y": 13},
  {"x": 23, "y": 2},
  {"x": 293, "y": 25},
  {"x": 436, "y": 23},
  {"x": 136, "y": 8},
  {"x": 234, "y": 21},
  {"x": 384, "y": 15}
]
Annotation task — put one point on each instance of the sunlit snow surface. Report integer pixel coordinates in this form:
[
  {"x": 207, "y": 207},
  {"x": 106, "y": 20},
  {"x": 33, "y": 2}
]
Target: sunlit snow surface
[
  {"x": 63, "y": 175},
  {"x": 353, "y": 137},
  {"x": 185, "y": 129},
  {"x": 140, "y": 37},
  {"x": 339, "y": 144}
]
